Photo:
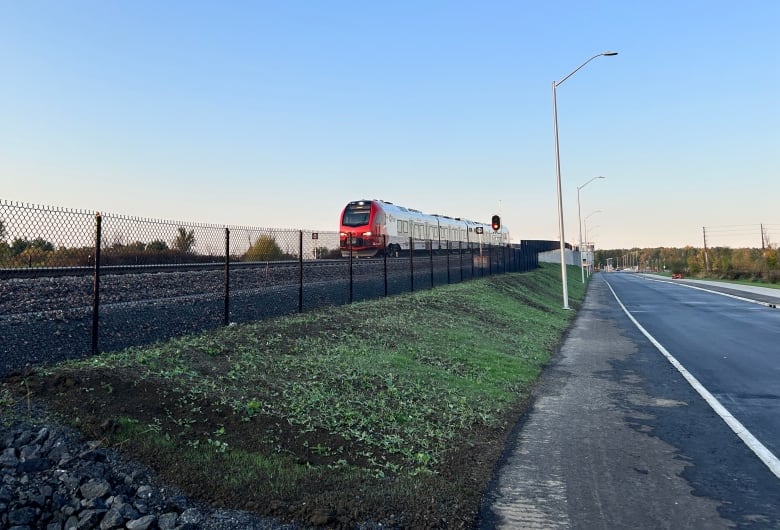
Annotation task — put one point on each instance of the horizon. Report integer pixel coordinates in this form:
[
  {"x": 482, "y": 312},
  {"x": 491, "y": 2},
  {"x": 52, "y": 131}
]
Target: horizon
[{"x": 249, "y": 113}]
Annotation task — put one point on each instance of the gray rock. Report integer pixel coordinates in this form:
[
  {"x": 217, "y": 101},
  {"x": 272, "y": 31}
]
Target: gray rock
[
  {"x": 9, "y": 458},
  {"x": 25, "y": 437},
  {"x": 52, "y": 480},
  {"x": 112, "y": 519},
  {"x": 33, "y": 465},
  {"x": 28, "y": 452},
  {"x": 95, "y": 488},
  {"x": 41, "y": 437},
  {"x": 72, "y": 523},
  {"x": 88, "y": 519},
  {"x": 167, "y": 521},
  {"x": 21, "y": 516},
  {"x": 190, "y": 516},
  {"x": 5, "y": 494},
  {"x": 141, "y": 524},
  {"x": 145, "y": 492}
]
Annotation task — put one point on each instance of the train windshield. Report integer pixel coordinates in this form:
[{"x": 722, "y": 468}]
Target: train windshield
[{"x": 356, "y": 214}]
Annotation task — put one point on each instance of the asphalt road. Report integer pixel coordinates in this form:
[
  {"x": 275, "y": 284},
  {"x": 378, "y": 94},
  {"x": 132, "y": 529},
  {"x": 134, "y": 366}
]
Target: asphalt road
[{"x": 619, "y": 438}]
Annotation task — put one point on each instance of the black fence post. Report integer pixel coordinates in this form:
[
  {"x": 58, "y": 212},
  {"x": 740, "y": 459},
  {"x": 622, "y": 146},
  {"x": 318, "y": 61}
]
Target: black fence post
[
  {"x": 460, "y": 255},
  {"x": 384, "y": 253},
  {"x": 226, "y": 319},
  {"x": 300, "y": 271},
  {"x": 512, "y": 258},
  {"x": 96, "y": 283},
  {"x": 430, "y": 253},
  {"x": 411, "y": 262},
  {"x": 448, "y": 262},
  {"x": 471, "y": 257}
]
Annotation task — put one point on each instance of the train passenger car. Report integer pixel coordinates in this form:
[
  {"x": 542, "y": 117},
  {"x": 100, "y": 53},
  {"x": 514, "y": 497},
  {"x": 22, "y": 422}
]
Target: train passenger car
[{"x": 371, "y": 228}]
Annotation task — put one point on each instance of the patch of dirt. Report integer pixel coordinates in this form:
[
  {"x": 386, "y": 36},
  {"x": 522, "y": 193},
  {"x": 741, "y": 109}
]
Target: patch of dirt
[{"x": 448, "y": 498}]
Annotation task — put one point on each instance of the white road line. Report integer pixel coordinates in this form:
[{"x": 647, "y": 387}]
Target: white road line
[
  {"x": 735, "y": 297},
  {"x": 764, "y": 454}
]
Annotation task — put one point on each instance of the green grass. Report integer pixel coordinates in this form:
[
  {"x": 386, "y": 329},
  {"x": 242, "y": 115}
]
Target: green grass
[
  {"x": 396, "y": 387},
  {"x": 758, "y": 283},
  {"x": 753, "y": 282}
]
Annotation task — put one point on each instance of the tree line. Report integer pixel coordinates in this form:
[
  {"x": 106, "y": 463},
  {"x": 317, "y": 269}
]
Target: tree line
[
  {"x": 38, "y": 252},
  {"x": 758, "y": 264}
]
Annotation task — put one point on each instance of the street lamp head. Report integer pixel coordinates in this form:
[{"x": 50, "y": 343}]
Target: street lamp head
[{"x": 609, "y": 54}]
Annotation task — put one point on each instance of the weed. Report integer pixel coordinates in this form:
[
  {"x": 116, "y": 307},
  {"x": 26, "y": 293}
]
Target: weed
[{"x": 389, "y": 395}]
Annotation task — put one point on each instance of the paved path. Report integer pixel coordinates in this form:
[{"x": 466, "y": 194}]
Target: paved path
[{"x": 601, "y": 447}]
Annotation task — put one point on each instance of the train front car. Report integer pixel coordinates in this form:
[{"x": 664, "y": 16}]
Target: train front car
[{"x": 361, "y": 229}]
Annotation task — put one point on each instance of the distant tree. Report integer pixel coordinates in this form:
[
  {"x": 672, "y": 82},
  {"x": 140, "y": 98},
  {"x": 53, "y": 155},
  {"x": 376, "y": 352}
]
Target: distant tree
[
  {"x": 327, "y": 253},
  {"x": 19, "y": 245},
  {"x": 5, "y": 249},
  {"x": 5, "y": 253},
  {"x": 772, "y": 256},
  {"x": 136, "y": 246},
  {"x": 157, "y": 246},
  {"x": 41, "y": 244},
  {"x": 265, "y": 248},
  {"x": 184, "y": 240}
]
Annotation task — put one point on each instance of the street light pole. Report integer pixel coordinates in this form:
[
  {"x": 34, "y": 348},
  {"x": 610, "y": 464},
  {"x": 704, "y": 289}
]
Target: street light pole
[
  {"x": 588, "y": 243},
  {"x": 555, "y": 85},
  {"x": 579, "y": 218}
]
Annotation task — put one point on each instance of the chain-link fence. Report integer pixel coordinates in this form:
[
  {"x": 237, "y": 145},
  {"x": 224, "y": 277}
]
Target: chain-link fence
[{"x": 75, "y": 282}]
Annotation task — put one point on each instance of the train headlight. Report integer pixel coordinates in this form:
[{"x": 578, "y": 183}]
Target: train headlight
[{"x": 367, "y": 234}]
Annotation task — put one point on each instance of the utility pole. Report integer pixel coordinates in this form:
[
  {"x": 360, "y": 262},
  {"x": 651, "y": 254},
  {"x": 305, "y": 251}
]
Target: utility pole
[
  {"x": 762, "y": 237},
  {"x": 706, "y": 259}
]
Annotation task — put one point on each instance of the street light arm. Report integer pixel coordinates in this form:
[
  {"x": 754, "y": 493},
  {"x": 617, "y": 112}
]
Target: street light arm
[
  {"x": 592, "y": 213},
  {"x": 605, "y": 54},
  {"x": 591, "y": 180}
]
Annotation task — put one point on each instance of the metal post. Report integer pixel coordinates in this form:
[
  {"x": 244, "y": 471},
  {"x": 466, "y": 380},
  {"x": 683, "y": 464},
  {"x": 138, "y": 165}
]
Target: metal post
[
  {"x": 96, "y": 283},
  {"x": 227, "y": 276},
  {"x": 471, "y": 249},
  {"x": 430, "y": 252},
  {"x": 384, "y": 245},
  {"x": 564, "y": 282},
  {"x": 411, "y": 263},
  {"x": 460, "y": 256},
  {"x": 448, "y": 262},
  {"x": 300, "y": 271}
]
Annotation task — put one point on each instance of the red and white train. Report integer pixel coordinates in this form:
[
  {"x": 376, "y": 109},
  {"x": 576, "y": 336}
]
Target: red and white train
[{"x": 371, "y": 228}]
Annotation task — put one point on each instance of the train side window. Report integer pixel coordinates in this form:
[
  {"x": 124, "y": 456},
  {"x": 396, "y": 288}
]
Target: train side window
[
  {"x": 406, "y": 227},
  {"x": 400, "y": 227}
]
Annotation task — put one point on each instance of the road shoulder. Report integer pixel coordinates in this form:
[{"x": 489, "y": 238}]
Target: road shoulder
[{"x": 589, "y": 454}]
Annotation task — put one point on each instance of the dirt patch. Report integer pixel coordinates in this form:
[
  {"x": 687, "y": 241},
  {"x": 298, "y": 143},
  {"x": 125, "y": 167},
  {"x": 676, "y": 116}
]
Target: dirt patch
[{"x": 447, "y": 498}]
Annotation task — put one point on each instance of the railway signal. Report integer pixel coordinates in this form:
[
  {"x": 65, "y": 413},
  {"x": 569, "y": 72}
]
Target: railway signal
[{"x": 496, "y": 223}]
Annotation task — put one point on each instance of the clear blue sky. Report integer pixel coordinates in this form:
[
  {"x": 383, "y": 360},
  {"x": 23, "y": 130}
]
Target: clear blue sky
[{"x": 275, "y": 114}]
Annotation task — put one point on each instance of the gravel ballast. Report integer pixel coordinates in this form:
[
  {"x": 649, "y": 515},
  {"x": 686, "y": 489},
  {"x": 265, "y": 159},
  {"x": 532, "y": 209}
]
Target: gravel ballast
[{"x": 52, "y": 479}]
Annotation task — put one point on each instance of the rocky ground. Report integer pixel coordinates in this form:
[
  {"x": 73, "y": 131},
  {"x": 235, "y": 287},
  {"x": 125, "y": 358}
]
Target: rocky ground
[{"x": 52, "y": 479}]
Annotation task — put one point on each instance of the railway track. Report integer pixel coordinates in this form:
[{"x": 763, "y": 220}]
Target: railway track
[{"x": 49, "y": 316}]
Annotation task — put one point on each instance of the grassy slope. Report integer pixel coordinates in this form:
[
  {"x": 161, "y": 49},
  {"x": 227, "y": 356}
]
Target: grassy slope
[{"x": 354, "y": 410}]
